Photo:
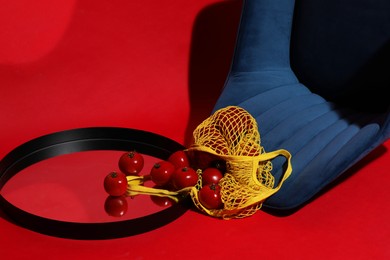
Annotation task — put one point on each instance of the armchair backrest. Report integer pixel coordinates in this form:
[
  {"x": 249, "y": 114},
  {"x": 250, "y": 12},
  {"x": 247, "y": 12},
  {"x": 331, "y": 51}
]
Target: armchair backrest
[{"x": 341, "y": 50}]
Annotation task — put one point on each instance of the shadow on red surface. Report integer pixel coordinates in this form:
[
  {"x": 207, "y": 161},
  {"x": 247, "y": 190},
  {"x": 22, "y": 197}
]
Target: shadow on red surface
[{"x": 212, "y": 47}]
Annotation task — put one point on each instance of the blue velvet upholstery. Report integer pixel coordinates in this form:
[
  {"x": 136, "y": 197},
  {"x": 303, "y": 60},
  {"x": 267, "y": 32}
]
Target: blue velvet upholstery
[{"x": 315, "y": 75}]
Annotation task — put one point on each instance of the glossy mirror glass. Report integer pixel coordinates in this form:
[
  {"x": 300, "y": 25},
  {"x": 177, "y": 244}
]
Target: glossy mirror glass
[
  {"x": 70, "y": 188},
  {"x": 54, "y": 184}
]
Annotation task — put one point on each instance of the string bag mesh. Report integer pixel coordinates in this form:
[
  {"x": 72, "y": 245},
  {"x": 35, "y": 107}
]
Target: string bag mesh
[{"x": 231, "y": 136}]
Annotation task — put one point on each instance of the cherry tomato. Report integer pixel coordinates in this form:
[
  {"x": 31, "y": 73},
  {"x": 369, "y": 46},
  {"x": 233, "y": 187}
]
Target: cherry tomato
[
  {"x": 179, "y": 159},
  {"x": 115, "y": 183},
  {"x": 184, "y": 177},
  {"x": 210, "y": 196},
  {"x": 131, "y": 163},
  {"x": 116, "y": 206},
  {"x": 202, "y": 160},
  {"x": 211, "y": 175},
  {"x": 161, "y": 172},
  {"x": 162, "y": 201}
]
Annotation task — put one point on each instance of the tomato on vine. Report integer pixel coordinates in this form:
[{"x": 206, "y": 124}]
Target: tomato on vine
[
  {"x": 115, "y": 183},
  {"x": 131, "y": 163}
]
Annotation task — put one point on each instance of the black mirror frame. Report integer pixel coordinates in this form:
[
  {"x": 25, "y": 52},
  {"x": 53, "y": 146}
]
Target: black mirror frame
[{"x": 86, "y": 139}]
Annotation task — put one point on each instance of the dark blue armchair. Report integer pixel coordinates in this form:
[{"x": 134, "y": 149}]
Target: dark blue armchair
[{"x": 315, "y": 75}]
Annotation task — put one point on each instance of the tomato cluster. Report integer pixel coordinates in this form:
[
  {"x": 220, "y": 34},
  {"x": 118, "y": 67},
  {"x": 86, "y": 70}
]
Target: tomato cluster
[
  {"x": 174, "y": 173},
  {"x": 129, "y": 163},
  {"x": 210, "y": 192}
]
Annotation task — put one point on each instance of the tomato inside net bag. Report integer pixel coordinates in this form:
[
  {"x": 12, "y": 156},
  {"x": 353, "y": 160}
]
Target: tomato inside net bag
[{"x": 231, "y": 134}]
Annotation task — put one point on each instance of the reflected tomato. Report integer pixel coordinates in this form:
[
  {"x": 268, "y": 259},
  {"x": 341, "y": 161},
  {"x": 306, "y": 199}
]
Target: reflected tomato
[
  {"x": 162, "y": 201},
  {"x": 116, "y": 206}
]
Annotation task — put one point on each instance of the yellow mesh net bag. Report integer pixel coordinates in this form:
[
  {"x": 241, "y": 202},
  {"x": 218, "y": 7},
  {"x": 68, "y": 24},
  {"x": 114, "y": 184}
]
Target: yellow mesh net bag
[{"x": 231, "y": 134}]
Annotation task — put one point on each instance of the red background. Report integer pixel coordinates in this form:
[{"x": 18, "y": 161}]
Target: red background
[{"x": 159, "y": 66}]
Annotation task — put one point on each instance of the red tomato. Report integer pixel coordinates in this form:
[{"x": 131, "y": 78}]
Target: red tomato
[
  {"x": 161, "y": 172},
  {"x": 131, "y": 163},
  {"x": 116, "y": 206},
  {"x": 211, "y": 175},
  {"x": 184, "y": 177},
  {"x": 210, "y": 196},
  {"x": 202, "y": 160},
  {"x": 115, "y": 183},
  {"x": 179, "y": 159}
]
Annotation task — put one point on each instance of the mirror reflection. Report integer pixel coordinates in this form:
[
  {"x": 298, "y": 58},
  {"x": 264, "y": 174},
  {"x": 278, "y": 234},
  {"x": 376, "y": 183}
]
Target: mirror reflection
[{"x": 70, "y": 188}]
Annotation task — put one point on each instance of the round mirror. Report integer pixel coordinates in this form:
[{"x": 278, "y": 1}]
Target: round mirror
[{"x": 54, "y": 184}]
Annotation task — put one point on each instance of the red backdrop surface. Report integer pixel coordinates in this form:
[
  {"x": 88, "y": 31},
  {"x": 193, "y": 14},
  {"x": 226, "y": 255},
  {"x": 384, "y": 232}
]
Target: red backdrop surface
[{"x": 159, "y": 66}]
